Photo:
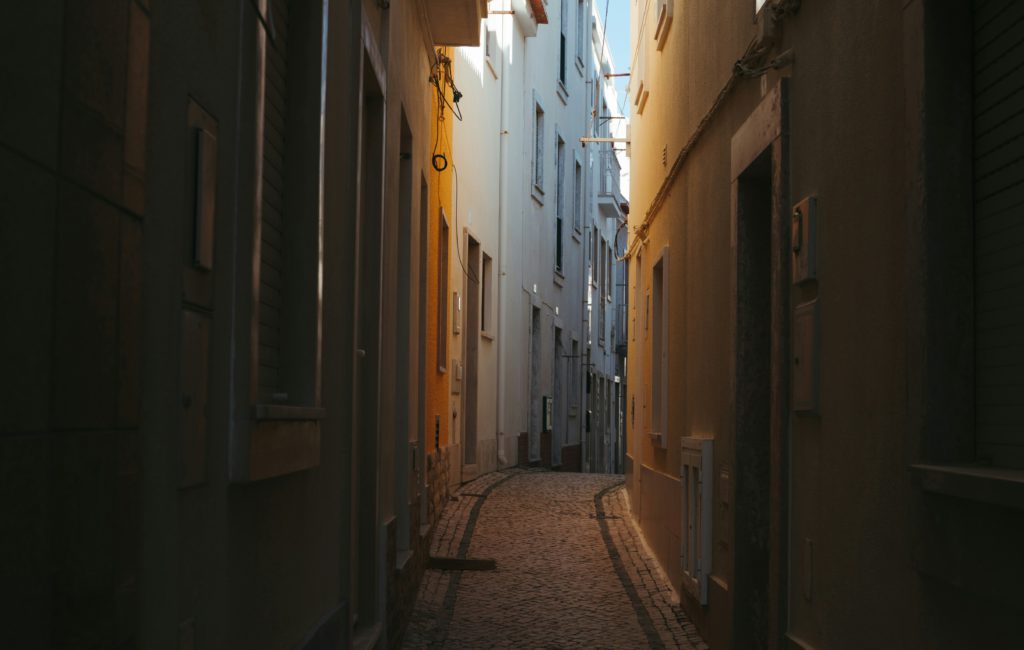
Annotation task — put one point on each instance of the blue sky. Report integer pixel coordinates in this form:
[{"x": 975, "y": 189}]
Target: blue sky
[{"x": 618, "y": 40}]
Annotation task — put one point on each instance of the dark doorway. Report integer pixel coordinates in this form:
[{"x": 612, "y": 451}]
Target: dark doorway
[
  {"x": 421, "y": 407},
  {"x": 535, "y": 401},
  {"x": 472, "y": 338},
  {"x": 403, "y": 332},
  {"x": 365, "y": 442},
  {"x": 753, "y": 403},
  {"x": 558, "y": 423}
]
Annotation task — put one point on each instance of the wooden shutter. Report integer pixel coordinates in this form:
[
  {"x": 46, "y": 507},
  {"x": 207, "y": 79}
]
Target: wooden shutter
[
  {"x": 272, "y": 263},
  {"x": 999, "y": 229}
]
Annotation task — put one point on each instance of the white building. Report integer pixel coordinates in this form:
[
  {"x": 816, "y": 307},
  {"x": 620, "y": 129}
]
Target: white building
[
  {"x": 605, "y": 297},
  {"x": 527, "y": 208}
]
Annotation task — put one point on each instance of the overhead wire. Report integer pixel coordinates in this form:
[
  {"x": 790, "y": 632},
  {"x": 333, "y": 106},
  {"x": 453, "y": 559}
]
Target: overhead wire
[
  {"x": 744, "y": 67},
  {"x": 442, "y": 78},
  {"x": 639, "y": 37}
]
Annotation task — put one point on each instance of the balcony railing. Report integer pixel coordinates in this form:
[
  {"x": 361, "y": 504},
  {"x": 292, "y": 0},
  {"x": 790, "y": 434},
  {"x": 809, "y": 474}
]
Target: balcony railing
[{"x": 609, "y": 194}]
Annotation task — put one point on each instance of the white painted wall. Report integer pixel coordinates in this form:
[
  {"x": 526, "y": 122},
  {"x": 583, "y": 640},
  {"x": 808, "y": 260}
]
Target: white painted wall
[{"x": 498, "y": 203}]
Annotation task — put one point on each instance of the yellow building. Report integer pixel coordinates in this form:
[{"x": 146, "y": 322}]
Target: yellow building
[{"x": 439, "y": 321}]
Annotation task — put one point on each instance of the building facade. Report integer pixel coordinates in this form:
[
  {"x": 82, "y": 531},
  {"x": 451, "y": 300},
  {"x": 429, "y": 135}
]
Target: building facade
[
  {"x": 606, "y": 292},
  {"x": 217, "y": 418},
  {"x": 529, "y": 214},
  {"x": 824, "y": 434}
]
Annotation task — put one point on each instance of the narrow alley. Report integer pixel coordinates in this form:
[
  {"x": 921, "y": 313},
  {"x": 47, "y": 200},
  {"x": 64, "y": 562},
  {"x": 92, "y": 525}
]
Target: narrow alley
[
  {"x": 380, "y": 324},
  {"x": 570, "y": 570}
]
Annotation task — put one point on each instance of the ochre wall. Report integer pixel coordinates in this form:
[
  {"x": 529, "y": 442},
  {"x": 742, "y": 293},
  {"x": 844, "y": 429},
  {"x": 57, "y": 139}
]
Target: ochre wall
[
  {"x": 440, "y": 189},
  {"x": 854, "y": 500}
]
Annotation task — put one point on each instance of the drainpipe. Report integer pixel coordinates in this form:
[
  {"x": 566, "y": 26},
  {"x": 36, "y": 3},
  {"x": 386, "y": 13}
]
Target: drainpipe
[{"x": 507, "y": 15}]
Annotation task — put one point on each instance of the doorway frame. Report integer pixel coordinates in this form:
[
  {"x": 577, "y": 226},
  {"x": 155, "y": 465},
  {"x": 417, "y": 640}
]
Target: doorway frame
[
  {"x": 367, "y": 597},
  {"x": 766, "y": 130},
  {"x": 471, "y": 354}
]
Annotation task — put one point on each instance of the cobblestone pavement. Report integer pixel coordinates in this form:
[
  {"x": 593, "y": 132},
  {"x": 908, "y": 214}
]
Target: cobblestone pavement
[{"x": 572, "y": 570}]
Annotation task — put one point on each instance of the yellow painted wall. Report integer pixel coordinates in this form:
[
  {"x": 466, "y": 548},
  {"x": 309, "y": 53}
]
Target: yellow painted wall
[{"x": 440, "y": 189}]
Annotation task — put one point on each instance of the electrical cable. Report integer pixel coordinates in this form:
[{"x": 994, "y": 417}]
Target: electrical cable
[
  {"x": 443, "y": 67},
  {"x": 639, "y": 39},
  {"x": 740, "y": 69}
]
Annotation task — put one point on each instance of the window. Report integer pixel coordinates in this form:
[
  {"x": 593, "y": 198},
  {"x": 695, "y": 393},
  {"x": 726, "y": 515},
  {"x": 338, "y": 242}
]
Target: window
[
  {"x": 659, "y": 348},
  {"x": 601, "y": 288},
  {"x": 581, "y": 30},
  {"x": 637, "y": 286},
  {"x": 608, "y": 274},
  {"x": 490, "y": 45},
  {"x": 574, "y": 375},
  {"x": 538, "y": 148},
  {"x": 485, "y": 294},
  {"x": 287, "y": 309},
  {"x": 559, "y": 199},
  {"x": 442, "y": 293},
  {"x": 998, "y": 182},
  {"x": 590, "y": 323},
  {"x": 590, "y": 262},
  {"x": 563, "y": 25},
  {"x": 577, "y": 197}
]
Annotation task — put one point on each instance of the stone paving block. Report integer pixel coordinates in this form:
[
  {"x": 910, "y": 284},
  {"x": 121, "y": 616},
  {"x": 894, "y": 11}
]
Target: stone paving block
[{"x": 572, "y": 570}]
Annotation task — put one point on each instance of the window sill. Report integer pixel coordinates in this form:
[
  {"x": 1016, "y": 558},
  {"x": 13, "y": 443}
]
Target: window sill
[
  {"x": 994, "y": 485},
  {"x": 537, "y": 193},
  {"x": 562, "y": 93},
  {"x": 580, "y": 66},
  {"x": 487, "y": 334},
  {"x": 491, "y": 67},
  {"x": 282, "y": 440},
  {"x": 576, "y": 234},
  {"x": 559, "y": 278}
]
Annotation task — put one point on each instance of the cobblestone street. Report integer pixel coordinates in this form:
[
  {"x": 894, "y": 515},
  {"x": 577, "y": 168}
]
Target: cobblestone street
[{"x": 571, "y": 570}]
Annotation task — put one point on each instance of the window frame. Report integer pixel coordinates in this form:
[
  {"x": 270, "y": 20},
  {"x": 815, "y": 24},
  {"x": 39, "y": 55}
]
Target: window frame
[
  {"x": 563, "y": 61},
  {"x": 578, "y": 199},
  {"x": 659, "y": 341},
  {"x": 443, "y": 271},
  {"x": 537, "y": 182},
  {"x": 489, "y": 47},
  {"x": 560, "y": 148},
  {"x": 582, "y": 19},
  {"x": 486, "y": 295}
]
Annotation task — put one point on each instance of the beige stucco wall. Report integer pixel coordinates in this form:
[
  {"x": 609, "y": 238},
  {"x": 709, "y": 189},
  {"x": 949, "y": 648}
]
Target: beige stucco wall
[{"x": 851, "y": 496}]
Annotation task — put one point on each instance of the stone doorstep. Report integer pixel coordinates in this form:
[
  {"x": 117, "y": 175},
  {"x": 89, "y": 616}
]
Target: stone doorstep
[{"x": 461, "y": 564}]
